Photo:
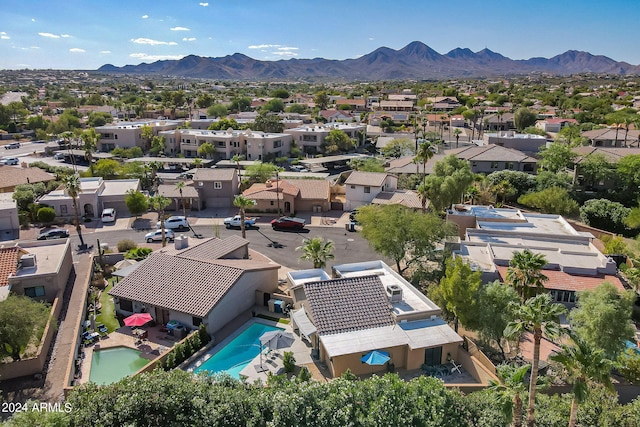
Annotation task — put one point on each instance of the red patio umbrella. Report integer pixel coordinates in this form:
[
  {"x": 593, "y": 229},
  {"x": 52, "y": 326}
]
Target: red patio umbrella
[{"x": 138, "y": 319}]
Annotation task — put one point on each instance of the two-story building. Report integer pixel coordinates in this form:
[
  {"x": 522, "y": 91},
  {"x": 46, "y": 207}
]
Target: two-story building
[
  {"x": 491, "y": 158},
  {"x": 216, "y": 187},
  {"x": 362, "y": 187},
  {"x": 311, "y": 138},
  {"x": 129, "y": 134}
]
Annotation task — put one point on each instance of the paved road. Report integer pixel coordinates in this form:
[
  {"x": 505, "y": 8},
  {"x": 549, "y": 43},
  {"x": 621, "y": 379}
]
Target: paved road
[{"x": 349, "y": 247}]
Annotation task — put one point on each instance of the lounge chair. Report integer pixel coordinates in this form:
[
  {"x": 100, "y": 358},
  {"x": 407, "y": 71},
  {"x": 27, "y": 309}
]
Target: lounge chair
[{"x": 455, "y": 367}]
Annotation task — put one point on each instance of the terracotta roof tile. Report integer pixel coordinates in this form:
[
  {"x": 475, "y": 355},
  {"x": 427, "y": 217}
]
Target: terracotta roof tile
[
  {"x": 217, "y": 174},
  {"x": 8, "y": 263},
  {"x": 561, "y": 281},
  {"x": 374, "y": 179},
  {"x": 348, "y": 304},
  {"x": 406, "y": 198}
]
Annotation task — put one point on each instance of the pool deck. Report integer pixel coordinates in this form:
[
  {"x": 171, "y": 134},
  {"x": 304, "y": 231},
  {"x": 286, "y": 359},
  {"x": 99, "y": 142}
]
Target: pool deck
[{"x": 156, "y": 343}]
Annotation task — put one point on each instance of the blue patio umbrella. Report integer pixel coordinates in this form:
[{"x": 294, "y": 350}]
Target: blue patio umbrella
[{"x": 376, "y": 357}]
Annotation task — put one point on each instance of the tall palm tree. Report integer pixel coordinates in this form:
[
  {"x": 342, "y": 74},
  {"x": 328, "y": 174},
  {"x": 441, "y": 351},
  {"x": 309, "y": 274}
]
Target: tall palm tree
[
  {"x": 317, "y": 251},
  {"x": 90, "y": 139},
  {"x": 525, "y": 273},
  {"x": 197, "y": 162},
  {"x": 243, "y": 203},
  {"x": 510, "y": 390},
  {"x": 72, "y": 185},
  {"x": 583, "y": 366},
  {"x": 158, "y": 203},
  {"x": 539, "y": 316},
  {"x": 424, "y": 153},
  {"x": 180, "y": 185},
  {"x": 457, "y": 133},
  {"x": 423, "y": 193}
]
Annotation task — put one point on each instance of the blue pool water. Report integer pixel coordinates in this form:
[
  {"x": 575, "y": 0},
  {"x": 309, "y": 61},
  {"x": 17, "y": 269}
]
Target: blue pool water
[{"x": 238, "y": 353}]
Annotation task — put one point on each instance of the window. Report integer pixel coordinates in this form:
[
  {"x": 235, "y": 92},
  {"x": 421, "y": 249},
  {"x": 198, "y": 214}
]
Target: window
[
  {"x": 271, "y": 202},
  {"x": 353, "y": 187},
  {"x": 63, "y": 209},
  {"x": 34, "y": 292},
  {"x": 367, "y": 190},
  {"x": 196, "y": 321},
  {"x": 510, "y": 166},
  {"x": 217, "y": 185},
  {"x": 494, "y": 165},
  {"x": 126, "y": 305},
  {"x": 277, "y": 144}
]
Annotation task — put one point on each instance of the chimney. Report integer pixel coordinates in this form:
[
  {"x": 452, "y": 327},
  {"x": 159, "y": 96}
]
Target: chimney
[
  {"x": 269, "y": 184},
  {"x": 181, "y": 242}
]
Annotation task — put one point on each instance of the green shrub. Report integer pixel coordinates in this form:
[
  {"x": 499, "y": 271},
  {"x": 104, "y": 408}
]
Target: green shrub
[
  {"x": 304, "y": 375},
  {"x": 138, "y": 254},
  {"x": 204, "y": 335},
  {"x": 288, "y": 361},
  {"x": 196, "y": 343},
  {"x": 170, "y": 361},
  {"x": 126, "y": 245},
  {"x": 46, "y": 214}
]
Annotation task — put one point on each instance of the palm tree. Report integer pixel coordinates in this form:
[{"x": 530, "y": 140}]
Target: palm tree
[
  {"x": 90, "y": 138},
  {"x": 583, "y": 366},
  {"x": 158, "y": 203},
  {"x": 72, "y": 184},
  {"x": 197, "y": 162},
  {"x": 423, "y": 193},
  {"x": 317, "y": 251},
  {"x": 243, "y": 203},
  {"x": 510, "y": 390},
  {"x": 180, "y": 185},
  {"x": 525, "y": 273},
  {"x": 538, "y": 315},
  {"x": 457, "y": 133},
  {"x": 423, "y": 155}
]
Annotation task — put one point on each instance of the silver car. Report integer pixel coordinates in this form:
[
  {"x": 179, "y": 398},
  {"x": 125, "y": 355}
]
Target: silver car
[{"x": 156, "y": 236}]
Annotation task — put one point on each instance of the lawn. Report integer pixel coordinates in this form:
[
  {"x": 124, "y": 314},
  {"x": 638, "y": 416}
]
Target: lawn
[{"x": 107, "y": 314}]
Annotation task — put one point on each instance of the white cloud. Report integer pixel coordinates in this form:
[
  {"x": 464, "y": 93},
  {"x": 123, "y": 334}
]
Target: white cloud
[
  {"x": 145, "y": 16},
  {"x": 33, "y": 19},
  {"x": 370, "y": 38},
  {"x": 287, "y": 48},
  {"x": 4, "y": 36},
  {"x": 188, "y": 39},
  {"x": 52, "y": 36},
  {"x": 147, "y": 57},
  {"x": 76, "y": 50},
  {"x": 180, "y": 29},
  {"x": 143, "y": 40},
  {"x": 284, "y": 53},
  {"x": 204, "y": 4},
  {"x": 262, "y": 46},
  {"x": 65, "y": 36},
  {"x": 105, "y": 52}
]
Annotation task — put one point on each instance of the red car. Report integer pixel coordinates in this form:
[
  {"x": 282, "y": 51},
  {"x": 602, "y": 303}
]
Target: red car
[{"x": 288, "y": 223}]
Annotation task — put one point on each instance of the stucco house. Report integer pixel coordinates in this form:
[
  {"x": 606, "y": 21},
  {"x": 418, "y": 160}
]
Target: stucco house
[
  {"x": 216, "y": 187},
  {"x": 95, "y": 195},
  {"x": 295, "y": 195},
  {"x": 10, "y": 177},
  {"x": 492, "y": 158},
  {"x": 210, "y": 282},
  {"x": 362, "y": 187}
]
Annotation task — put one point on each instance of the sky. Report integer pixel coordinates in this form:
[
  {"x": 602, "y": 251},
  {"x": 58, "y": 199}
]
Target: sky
[{"x": 86, "y": 34}]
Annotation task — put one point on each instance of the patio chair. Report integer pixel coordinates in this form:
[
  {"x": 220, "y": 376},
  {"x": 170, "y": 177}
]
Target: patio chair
[{"x": 455, "y": 367}]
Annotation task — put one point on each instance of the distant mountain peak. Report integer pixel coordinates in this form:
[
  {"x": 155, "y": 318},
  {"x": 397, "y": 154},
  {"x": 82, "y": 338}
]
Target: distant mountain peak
[{"x": 416, "y": 60}]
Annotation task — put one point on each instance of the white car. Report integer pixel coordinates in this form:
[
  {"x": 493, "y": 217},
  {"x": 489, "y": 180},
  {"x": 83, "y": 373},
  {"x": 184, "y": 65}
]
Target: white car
[
  {"x": 299, "y": 168},
  {"x": 108, "y": 215},
  {"x": 174, "y": 223},
  {"x": 156, "y": 236},
  {"x": 9, "y": 161}
]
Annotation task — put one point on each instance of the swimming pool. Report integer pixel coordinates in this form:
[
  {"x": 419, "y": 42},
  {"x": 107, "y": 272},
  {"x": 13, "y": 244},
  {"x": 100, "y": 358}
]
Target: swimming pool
[
  {"x": 113, "y": 364},
  {"x": 238, "y": 353}
]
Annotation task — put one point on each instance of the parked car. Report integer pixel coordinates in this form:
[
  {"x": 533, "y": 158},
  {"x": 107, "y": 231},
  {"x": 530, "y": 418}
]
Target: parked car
[
  {"x": 108, "y": 215},
  {"x": 288, "y": 223},
  {"x": 58, "y": 156},
  {"x": 12, "y": 145},
  {"x": 56, "y": 233},
  {"x": 156, "y": 236},
  {"x": 174, "y": 223},
  {"x": 235, "y": 221},
  {"x": 10, "y": 161},
  {"x": 299, "y": 168}
]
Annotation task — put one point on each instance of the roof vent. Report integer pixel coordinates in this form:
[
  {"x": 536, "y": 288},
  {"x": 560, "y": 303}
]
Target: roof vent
[
  {"x": 28, "y": 260},
  {"x": 394, "y": 293},
  {"x": 181, "y": 242}
]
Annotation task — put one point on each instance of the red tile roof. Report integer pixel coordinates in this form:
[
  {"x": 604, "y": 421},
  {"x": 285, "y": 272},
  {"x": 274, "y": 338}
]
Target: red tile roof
[
  {"x": 8, "y": 263},
  {"x": 561, "y": 281}
]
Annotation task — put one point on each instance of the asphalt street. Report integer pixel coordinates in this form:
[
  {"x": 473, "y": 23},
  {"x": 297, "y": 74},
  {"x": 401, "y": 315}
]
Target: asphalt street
[{"x": 280, "y": 246}]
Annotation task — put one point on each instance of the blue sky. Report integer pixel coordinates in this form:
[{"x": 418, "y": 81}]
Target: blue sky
[{"x": 75, "y": 34}]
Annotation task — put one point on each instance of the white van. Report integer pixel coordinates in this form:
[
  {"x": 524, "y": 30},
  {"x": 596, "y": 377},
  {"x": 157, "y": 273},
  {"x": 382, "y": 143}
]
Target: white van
[{"x": 108, "y": 215}]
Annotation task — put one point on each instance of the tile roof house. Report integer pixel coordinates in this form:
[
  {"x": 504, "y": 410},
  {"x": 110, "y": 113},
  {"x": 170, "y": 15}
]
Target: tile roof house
[
  {"x": 292, "y": 195},
  {"x": 9, "y": 221},
  {"x": 612, "y": 137},
  {"x": 10, "y": 177},
  {"x": 210, "y": 282},
  {"x": 367, "y": 306},
  {"x": 554, "y": 124},
  {"x": 362, "y": 187},
  {"x": 407, "y": 198},
  {"x": 190, "y": 196},
  {"x": 38, "y": 269},
  {"x": 611, "y": 154},
  {"x": 492, "y": 158}
]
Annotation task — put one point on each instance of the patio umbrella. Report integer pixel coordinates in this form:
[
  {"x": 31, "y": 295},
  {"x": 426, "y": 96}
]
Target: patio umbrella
[
  {"x": 275, "y": 340},
  {"x": 138, "y": 319},
  {"x": 376, "y": 357},
  {"x": 124, "y": 263}
]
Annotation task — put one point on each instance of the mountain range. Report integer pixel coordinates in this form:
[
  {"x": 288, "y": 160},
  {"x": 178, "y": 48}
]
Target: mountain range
[{"x": 414, "y": 61}]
